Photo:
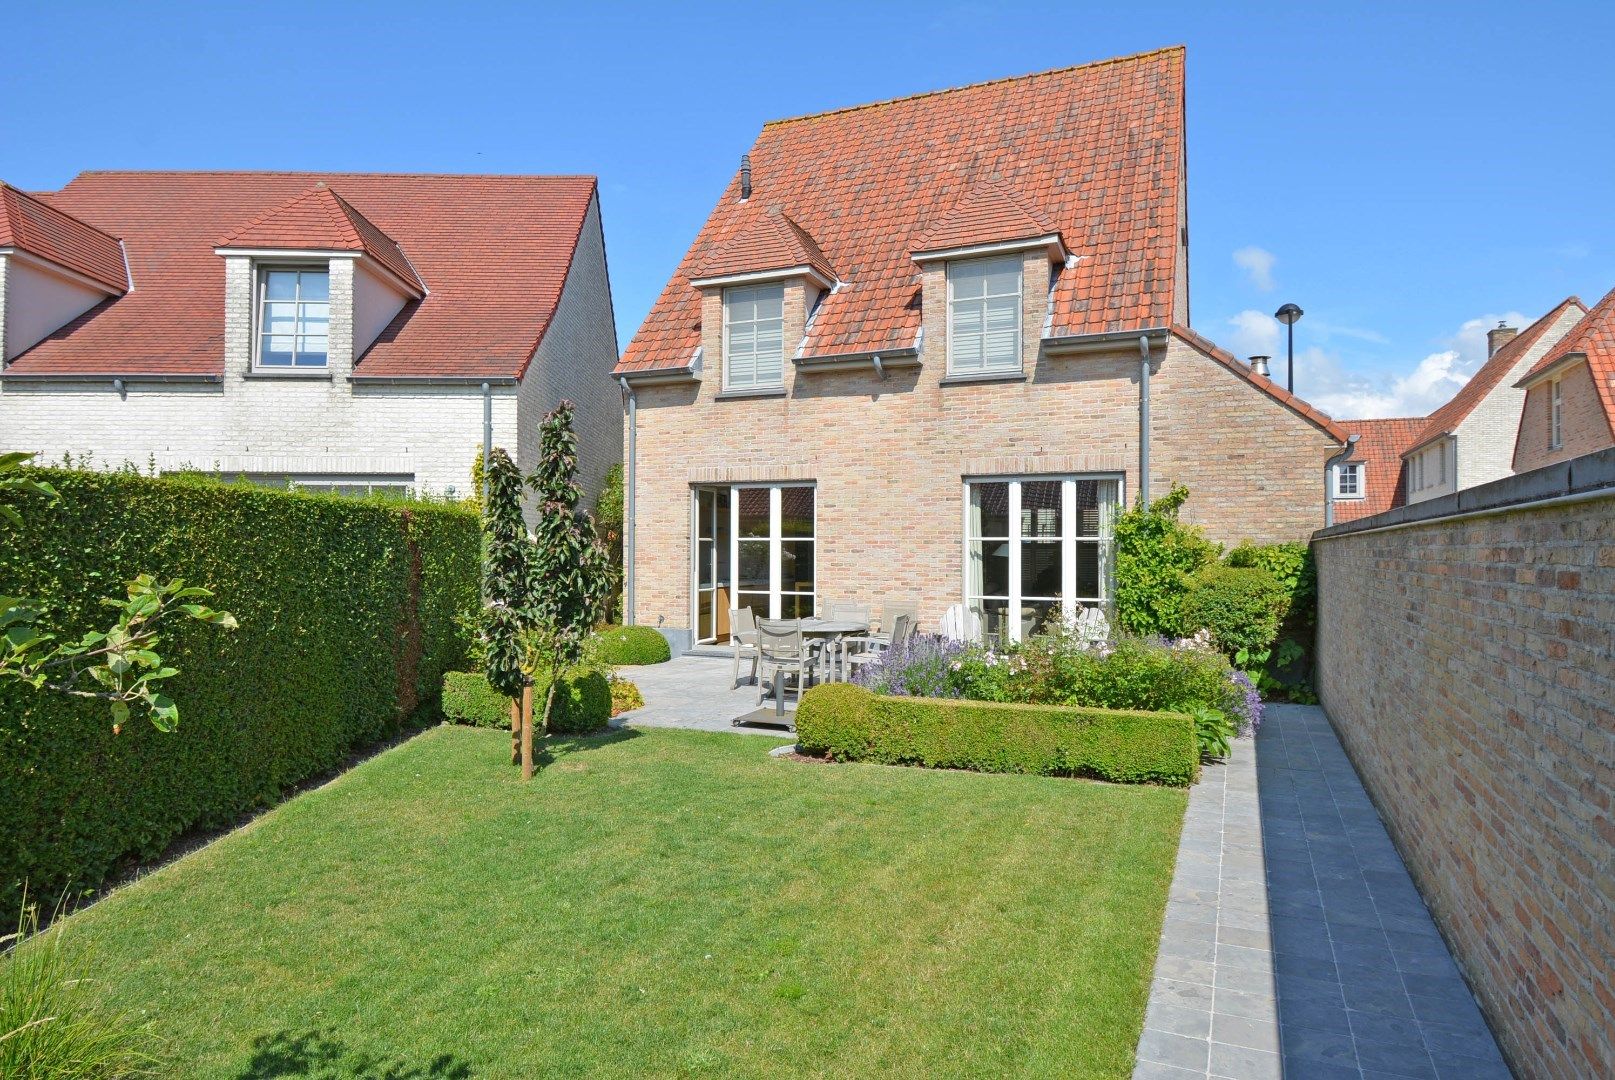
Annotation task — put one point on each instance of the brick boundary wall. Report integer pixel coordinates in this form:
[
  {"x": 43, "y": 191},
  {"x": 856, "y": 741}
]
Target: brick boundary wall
[{"x": 1466, "y": 657}]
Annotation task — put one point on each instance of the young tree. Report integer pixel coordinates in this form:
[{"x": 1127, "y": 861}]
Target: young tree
[
  {"x": 506, "y": 570},
  {"x": 569, "y": 573}
]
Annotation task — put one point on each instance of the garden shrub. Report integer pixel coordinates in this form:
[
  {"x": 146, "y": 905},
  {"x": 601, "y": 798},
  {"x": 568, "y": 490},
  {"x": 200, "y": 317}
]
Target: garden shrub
[
  {"x": 1241, "y": 606},
  {"x": 469, "y": 700},
  {"x": 625, "y": 696},
  {"x": 347, "y": 623},
  {"x": 583, "y": 701},
  {"x": 629, "y": 645},
  {"x": 1156, "y": 555},
  {"x": 1286, "y": 668},
  {"x": 850, "y": 723}
]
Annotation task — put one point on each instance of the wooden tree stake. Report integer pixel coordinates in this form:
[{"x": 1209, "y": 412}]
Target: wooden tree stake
[
  {"x": 527, "y": 731},
  {"x": 515, "y": 731}
]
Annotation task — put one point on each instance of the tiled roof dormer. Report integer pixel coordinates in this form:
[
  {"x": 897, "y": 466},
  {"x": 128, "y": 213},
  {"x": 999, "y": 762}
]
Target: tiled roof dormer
[
  {"x": 1592, "y": 340},
  {"x": 986, "y": 215},
  {"x": 763, "y": 241},
  {"x": 319, "y": 219},
  {"x": 62, "y": 240}
]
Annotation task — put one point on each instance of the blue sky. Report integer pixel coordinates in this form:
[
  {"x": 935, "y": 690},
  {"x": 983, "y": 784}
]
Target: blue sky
[{"x": 1407, "y": 177}]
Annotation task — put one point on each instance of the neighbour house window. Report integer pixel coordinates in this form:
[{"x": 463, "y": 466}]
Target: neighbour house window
[
  {"x": 329, "y": 483},
  {"x": 293, "y": 317},
  {"x": 1349, "y": 480},
  {"x": 984, "y": 316},
  {"x": 1556, "y": 433},
  {"x": 754, "y": 337},
  {"x": 1037, "y": 551}
]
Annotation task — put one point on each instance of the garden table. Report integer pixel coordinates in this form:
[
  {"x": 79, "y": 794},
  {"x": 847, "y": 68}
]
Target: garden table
[{"x": 830, "y": 631}]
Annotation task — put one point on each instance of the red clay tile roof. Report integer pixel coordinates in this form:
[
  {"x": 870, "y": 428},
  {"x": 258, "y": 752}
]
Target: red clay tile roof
[
  {"x": 762, "y": 238},
  {"x": 1594, "y": 337},
  {"x": 1097, "y": 148},
  {"x": 48, "y": 233},
  {"x": 1263, "y": 383},
  {"x": 1484, "y": 381},
  {"x": 987, "y": 213},
  {"x": 495, "y": 250},
  {"x": 321, "y": 220},
  {"x": 1380, "y": 445}
]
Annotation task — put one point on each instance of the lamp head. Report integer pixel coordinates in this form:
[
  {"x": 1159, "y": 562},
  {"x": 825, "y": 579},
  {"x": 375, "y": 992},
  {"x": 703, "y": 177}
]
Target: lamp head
[{"x": 1288, "y": 314}]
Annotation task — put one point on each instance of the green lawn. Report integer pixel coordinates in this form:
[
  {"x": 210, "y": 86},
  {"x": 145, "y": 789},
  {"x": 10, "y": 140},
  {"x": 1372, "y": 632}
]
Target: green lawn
[{"x": 660, "y": 903}]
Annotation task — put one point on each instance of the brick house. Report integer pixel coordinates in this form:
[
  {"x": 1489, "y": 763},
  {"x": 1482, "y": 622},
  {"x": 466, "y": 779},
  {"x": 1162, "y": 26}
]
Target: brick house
[
  {"x": 1570, "y": 394},
  {"x": 1470, "y": 440},
  {"x": 921, "y": 349},
  {"x": 1372, "y": 480},
  {"x": 335, "y": 331}
]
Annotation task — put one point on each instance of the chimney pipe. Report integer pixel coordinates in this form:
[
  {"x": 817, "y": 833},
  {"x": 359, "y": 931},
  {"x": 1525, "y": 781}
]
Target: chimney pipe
[
  {"x": 1499, "y": 336},
  {"x": 745, "y": 176},
  {"x": 1259, "y": 365}
]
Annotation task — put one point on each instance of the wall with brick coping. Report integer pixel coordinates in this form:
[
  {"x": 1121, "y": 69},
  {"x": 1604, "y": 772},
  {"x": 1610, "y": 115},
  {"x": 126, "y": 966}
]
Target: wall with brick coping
[
  {"x": 1468, "y": 664},
  {"x": 889, "y": 457}
]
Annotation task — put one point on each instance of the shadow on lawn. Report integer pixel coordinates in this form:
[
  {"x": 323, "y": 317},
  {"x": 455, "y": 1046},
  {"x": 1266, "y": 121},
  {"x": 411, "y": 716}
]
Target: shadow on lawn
[
  {"x": 557, "y": 748},
  {"x": 321, "y": 1055}
]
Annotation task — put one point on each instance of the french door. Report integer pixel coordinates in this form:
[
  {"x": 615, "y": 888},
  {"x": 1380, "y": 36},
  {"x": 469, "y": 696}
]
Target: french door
[
  {"x": 754, "y": 548},
  {"x": 1037, "y": 550}
]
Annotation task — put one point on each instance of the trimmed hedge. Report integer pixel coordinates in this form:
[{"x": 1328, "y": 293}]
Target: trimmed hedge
[
  {"x": 850, "y": 723},
  {"x": 618, "y": 646},
  {"x": 347, "y": 610},
  {"x": 1242, "y": 606},
  {"x": 583, "y": 701}
]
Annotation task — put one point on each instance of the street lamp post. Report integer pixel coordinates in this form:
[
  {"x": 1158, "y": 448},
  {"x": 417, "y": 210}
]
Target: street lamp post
[{"x": 1287, "y": 315}]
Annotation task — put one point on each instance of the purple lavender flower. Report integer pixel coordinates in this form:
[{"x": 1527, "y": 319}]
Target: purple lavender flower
[
  {"x": 918, "y": 667},
  {"x": 1253, "y": 701}
]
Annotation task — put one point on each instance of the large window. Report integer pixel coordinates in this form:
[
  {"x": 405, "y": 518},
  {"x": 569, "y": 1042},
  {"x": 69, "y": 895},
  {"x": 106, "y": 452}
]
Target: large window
[
  {"x": 1037, "y": 551},
  {"x": 293, "y": 317},
  {"x": 984, "y": 316},
  {"x": 754, "y": 338},
  {"x": 754, "y": 548}
]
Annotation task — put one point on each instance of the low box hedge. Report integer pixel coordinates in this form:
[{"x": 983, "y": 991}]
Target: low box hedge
[
  {"x": 850, "y": 723},
  {"x": 618, "y": 646},
  {"x": 583, "y": 701}
]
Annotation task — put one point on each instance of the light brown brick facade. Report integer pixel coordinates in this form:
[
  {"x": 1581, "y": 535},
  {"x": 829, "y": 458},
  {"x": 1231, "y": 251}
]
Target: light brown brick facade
[
  {"x": 889, "y": 457},
  {"x": 1585, "y": 425},
  {"x": 1469, "y": 667}
]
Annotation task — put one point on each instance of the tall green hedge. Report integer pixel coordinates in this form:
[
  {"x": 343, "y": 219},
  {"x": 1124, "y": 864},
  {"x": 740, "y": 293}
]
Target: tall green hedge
[
  {"x": 347, "y": 626},
  {"x": 850, "y": 723}
]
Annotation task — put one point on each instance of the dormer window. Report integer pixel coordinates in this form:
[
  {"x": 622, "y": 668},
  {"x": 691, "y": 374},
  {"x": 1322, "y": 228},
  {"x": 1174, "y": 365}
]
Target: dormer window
[
  {"x": 984, "y": 316},
  {"x": 1349, "y": 480},
  {"x": 293, "y": 317},
  {"x": 754, "y": 337}
]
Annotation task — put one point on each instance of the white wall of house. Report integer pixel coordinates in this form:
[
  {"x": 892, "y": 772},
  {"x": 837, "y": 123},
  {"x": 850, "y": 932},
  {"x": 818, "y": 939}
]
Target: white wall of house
[
  {"x": 375, "y": 302},
  {"x": 1431, "y": 471},
  {"x": 36, "y": 302}
]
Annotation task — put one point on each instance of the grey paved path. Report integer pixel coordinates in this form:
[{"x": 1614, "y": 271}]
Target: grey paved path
[
  {"x": 1295, "y": 943},
  {"x": 695, "y": 692}
]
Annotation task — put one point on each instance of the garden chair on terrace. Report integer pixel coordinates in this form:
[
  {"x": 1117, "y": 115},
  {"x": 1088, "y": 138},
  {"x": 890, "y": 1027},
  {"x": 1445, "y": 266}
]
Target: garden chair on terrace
[
  {"x": 901, "y": 629},
  {"x": 743, "y": 635},
  {"x": 782, "y": 651}
]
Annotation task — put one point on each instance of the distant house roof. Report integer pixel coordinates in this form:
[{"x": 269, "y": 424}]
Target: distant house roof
[
  {"x": 762, "y": 239},
  {"x": 49, "y": 233},
  {"x": 1380, "y": 445},
  {"x": 1496, "y": 368},
  {"x": 493, "y": 250},
  {"x": 1594, "y": 338},
  {"x": 1096, "y": 149},
  {"x": 321, "y": 220}
]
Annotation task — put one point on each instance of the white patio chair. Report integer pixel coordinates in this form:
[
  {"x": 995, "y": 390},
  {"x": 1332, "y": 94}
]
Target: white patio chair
[
  {"x": 960, "y": 624},
  {"x": 782, "y": 651},
  {"x": 743, "y": 636}
]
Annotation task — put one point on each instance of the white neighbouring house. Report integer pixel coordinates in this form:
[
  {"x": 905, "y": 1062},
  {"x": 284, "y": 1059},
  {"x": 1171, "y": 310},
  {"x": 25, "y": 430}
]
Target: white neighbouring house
[{"x": 331, "y": 331}]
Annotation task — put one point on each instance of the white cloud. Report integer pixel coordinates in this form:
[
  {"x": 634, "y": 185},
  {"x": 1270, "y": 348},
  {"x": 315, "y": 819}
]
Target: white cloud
[
  {"x": 1253, "y": 333},
  {"x": 1258, "y": 265},
  {"x": 1321, "y": 379}
]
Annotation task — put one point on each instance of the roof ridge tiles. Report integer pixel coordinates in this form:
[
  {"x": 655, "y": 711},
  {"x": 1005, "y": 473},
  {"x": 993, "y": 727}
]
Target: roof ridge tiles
[{"x": 1066, "y": 70}]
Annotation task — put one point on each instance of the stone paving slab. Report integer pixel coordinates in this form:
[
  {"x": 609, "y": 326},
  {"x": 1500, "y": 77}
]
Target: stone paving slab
[
  {"x": 696, "y": 692},
  {"x": 1295, "y": 943}
]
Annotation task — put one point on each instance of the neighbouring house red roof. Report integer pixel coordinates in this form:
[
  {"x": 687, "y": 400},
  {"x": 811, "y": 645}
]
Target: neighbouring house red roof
[
  {"x": 1594, "y": 338},
  {"x": 762, "y": 238},
  {"x": 47, "y": 232},
  {"x": 1284, "y": 397},
  {"x": 1097, "y": 148},
  {"x": 321, "y": 220},
  {"x": 1484, "y": 381},
  {"x": 1380, "y": 445},
  {"x": 494, "y": 251},
  {"x": 985, "y": 214}
]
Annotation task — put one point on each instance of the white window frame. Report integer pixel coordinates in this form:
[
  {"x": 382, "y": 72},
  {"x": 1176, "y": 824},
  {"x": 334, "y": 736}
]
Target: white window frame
[
  {"x": 957, "y": 268},
  {"x": 1070, "y": 602},
  {"x": 753, "y": 293},
  {"x": 260, "y": 295},
  {"x": 1556, "y": 416},
  {"x": 1355, "y": 468},
  {"x": 776, "y": 542}
]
